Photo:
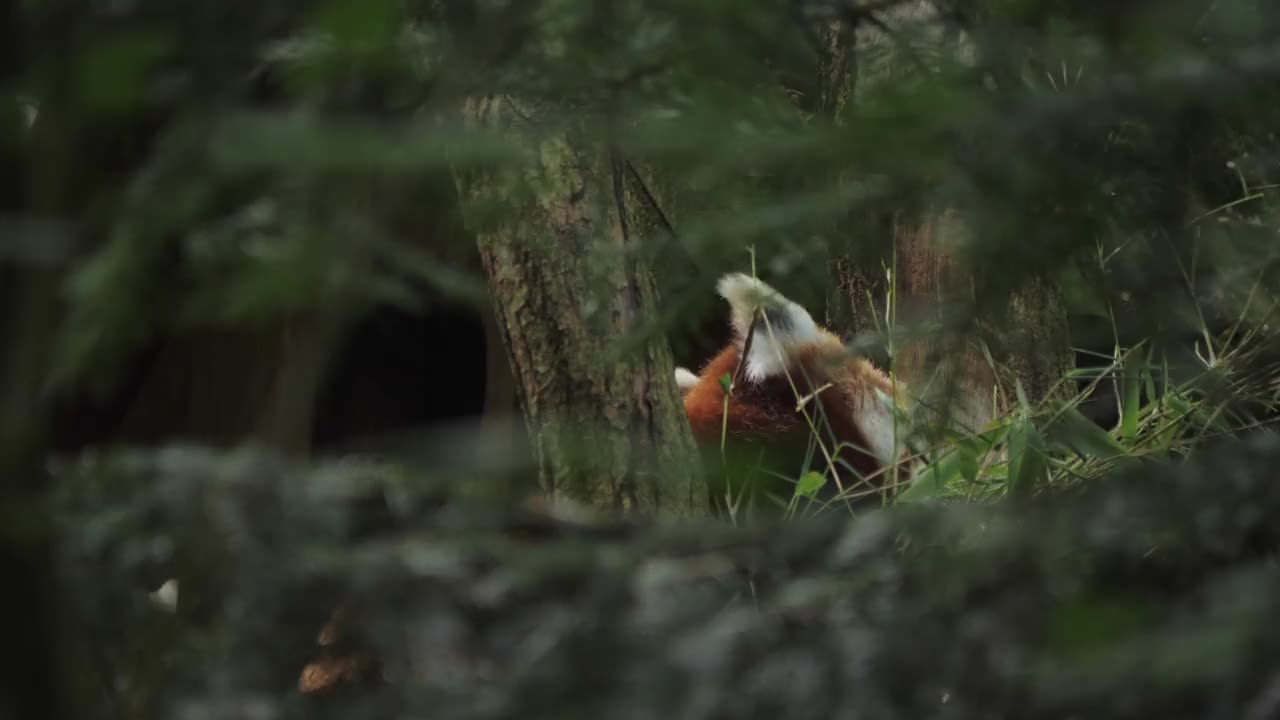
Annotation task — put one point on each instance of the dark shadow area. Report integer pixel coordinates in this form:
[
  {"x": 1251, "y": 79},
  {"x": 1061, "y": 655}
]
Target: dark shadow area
[
  {"x": 399, "y": 370},
  {"x": 394, "y": 371}
]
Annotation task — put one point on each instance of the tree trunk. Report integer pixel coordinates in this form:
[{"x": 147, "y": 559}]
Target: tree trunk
[
  {"x": 571, "y": 295},
  {"x": 949, "y": 373},
  {"x": 955, "y": 378}
]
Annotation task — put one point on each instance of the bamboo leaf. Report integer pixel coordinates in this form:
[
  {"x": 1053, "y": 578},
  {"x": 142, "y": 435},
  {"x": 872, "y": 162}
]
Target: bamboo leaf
[
  {"x": 1073, "y": 430},
  {"x": 934, "y": 479},
  {"x": 810, "y": 483},
  {"x": 1132, "y": 383},
  {"x": 1027, "y": 459}
]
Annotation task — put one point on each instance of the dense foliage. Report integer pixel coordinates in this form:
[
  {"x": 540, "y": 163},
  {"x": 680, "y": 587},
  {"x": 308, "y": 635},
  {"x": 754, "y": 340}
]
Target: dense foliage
[
  {"x": 1151, "y": 597},
  {"x": 238, "y": 243}
]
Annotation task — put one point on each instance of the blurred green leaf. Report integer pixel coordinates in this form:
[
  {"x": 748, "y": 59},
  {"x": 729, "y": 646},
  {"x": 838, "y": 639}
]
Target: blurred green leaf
[
  {"x": 302, "y": 142},
  {"x": 1090, "y": 624},
  {"x": 115, "y": 68},
  {"x": 363, "y": 24}
]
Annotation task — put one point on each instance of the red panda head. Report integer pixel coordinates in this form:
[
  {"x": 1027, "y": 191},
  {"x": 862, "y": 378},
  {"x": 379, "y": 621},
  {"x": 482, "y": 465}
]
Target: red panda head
[{"x": 797, "y": 377}]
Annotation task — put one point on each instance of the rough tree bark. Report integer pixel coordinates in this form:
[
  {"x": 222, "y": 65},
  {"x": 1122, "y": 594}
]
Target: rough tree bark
[
  {"x": 948, "y": 372},
  {"x": 559, "y": 241}
]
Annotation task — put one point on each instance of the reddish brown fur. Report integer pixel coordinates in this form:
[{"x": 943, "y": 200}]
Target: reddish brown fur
[
  {"x": 766, "y": 412},
  {"x": 756, "y": 411},
  {"x": 335, "y": 668}
]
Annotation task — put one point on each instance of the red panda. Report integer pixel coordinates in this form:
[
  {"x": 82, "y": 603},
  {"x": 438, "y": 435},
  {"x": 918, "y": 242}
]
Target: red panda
[
  {"x": 796, "y": 377},
  {"x": 795, "y": 373}
]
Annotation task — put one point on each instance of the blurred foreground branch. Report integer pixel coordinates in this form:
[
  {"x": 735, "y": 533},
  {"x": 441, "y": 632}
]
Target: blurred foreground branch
[{"x": 1146, "y": 596}]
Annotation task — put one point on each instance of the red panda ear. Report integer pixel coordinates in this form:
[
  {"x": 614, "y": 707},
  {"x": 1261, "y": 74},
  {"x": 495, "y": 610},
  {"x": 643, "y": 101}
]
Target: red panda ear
[
  {"x": 685, "y": 380},
  {"x": 783, "y": 330}
]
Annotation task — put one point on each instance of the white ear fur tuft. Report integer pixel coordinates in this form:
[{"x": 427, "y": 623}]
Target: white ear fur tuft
[
  {"x": 685, "y": 379},
  {"x": 744, "y": 294},
  {"x": 786, "y": 328}
]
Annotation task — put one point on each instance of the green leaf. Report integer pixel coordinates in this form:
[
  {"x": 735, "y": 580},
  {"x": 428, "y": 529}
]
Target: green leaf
[
  {"x": 1132, "y": 396},
  {"x": 1085, "y": 438},
  {"x": 961, "y": 462},
  {"x": 967, "y": 459},
  {"x": 1022, "y": 396},
  {"x": 1149, "y": 383},
  {"x": 1073, "y": 430},
  {"x": 810, "y": 483},
  {"x": 1178, "y": 402},
  {"x": 933, "y": 479},
  {"x": 1027, "y": 460},
  {"x": 1174, "y": 418},
  {"x": 930, "y": 483}
]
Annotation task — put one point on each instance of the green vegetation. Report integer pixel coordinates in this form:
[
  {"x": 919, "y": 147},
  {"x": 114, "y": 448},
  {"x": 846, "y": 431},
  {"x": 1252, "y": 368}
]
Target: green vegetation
[{"x": 301, "y": 301}]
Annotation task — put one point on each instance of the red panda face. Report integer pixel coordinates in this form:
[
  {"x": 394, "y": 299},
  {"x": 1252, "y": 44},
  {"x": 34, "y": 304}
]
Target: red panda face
[{"x": 796, "y": 383}]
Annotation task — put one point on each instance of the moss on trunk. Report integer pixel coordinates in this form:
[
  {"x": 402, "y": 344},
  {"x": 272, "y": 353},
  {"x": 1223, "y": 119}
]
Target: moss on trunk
[{"x": 560, "y": 246}]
